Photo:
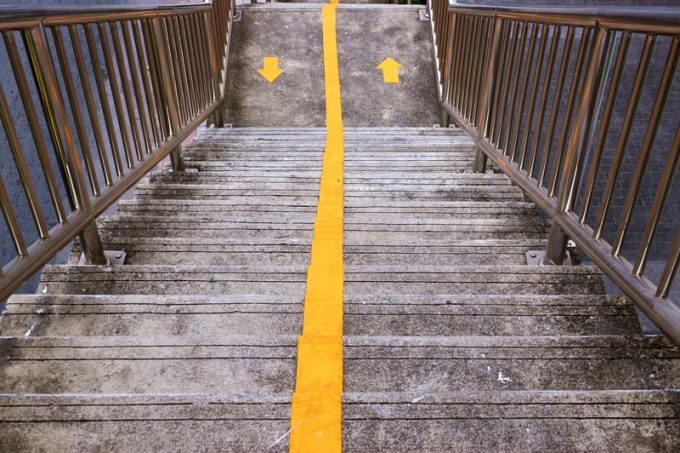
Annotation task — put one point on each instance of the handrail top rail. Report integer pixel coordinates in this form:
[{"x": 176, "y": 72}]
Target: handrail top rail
[
  {"x": 19, "y": 12},
  {"x": 662, "y": 14}
]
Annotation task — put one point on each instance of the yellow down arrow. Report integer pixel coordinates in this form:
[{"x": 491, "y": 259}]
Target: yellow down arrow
[
  {"x": 390, "y": 69},
  {"x": 270, "y": 68}
]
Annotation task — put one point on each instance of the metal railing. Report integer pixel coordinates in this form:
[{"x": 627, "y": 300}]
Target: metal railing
[
  {"x": 107, "y": 94},
  {"x": 539, "y": 91}
]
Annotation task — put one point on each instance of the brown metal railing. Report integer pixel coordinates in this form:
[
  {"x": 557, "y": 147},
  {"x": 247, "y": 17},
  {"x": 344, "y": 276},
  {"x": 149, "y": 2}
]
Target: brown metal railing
[
  {"x": 107, "y": 94},
  {"x": 538, "y": 88}
]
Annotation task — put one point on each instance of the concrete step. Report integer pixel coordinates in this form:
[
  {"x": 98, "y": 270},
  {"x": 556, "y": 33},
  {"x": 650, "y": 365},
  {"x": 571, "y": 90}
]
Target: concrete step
[
  {"x": 129, "y": 422},
  {"x": 484, "y": 191},
  {"x": 313, "y": 168},
  {"x": 350, "y": 142},
  {"x": 300, "y": 232},
  {"x": 476, "y": 421},
  {"x": 273, "y": 213},
  {"x": 536, "y": 421},
  {"x": 431, "y": 280},
  {"x": 364, "y": 222},
  {"x": 373, "y": 153},
  {"x": 451, "y": 208},
  {"x": 265, "y": 364},
  {"x": 149, "y": 364},
  {"x": 199, "y": 316},
  {"x": 227, "y": 251},
  {"x": 216, "y": 214},
  {"x": 429, "y": 365},
  {"x": 379, "y": 149},
  {"x": 292, "y": 181},
  {"x": 321, "y": 131},
  {"x": 461, "y": 193},
  {"x": 296, "y": 132}
]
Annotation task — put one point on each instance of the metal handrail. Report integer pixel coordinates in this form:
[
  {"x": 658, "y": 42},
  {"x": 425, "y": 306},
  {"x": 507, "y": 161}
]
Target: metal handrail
[
  {"x": 536, "y": 89},
  {"x": 14, "y": 11},
  {"x": 119, "y": 90}
]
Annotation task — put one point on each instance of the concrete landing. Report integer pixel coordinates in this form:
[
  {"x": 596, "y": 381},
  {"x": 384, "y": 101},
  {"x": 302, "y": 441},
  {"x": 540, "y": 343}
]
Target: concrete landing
[{"x": 367, "y": 34}]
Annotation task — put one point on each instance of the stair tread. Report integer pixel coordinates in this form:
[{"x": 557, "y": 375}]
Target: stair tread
[{"x": 447, "y": 332}]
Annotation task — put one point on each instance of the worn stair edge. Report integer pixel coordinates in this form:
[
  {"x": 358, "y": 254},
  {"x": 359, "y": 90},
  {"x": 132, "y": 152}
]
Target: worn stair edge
[
  {"x": 135, "y": 315},
  {"x": 417, "y": 364}
]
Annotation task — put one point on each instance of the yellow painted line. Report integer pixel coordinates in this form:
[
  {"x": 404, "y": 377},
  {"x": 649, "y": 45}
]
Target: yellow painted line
[{"x": 316, "y": 413}]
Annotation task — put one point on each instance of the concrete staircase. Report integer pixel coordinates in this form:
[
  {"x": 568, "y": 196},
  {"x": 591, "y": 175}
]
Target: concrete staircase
[{"x": 452, "y": 342}]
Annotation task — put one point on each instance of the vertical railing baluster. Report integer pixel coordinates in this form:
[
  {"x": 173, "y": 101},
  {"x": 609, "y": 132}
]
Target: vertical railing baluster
[
  {"x": 135, "y": 73},
  {"x": 624, "y": 135},
  {"x": 517, "y": 60},
  {"x": 484, "y": 104},
  {"x": 647, "y": 145},
  {"x": 75, "y": 109},
  {"x": 115, "y": 93},
  {"x": 568, "y": 113},
  {"x": 607, "y": 114},
  {"x": 11, "y": 220},
  {"x": 127, "y": 95},
  {"x": 32, "y": 118},
  {"x": 63, "y": 140},
  {"x": 669, "y": 170},
  {"x": 494, "y": 100},
  {"x": 90, "y": 103},
  {"x": 144, "y": 71},
  {"x": 592, "y": 83},
  {"x": 543, "y": 103},
  {"x": 159, "y": 45},
  {"x": 519, "y": 113},
  {"x": 154, "y": 75},
  {"x": 534, "y": 92},
  {"x": 557, "y": 99}
]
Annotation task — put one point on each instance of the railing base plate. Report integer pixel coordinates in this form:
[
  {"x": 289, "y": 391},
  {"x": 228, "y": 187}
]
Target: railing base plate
[
  {"x": 537, "y": 258},
  {"x": 113, "y": 257}
]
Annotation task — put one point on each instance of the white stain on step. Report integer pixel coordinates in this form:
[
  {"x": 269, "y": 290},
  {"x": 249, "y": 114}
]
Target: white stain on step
[
  {"x": 503, "y": 379},
  {"x": 284, "y": 435},
  {"x": 30, "y": 331}
]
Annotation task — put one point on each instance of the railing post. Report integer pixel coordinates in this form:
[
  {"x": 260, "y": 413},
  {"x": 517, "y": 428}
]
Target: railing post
[
  {"x": 556, "y": 251},
  {"x": 167, "y": 89},
  {"x": 62, "y": 138},
  {"x": 485, "y": 98},
  {"x": 578, "y": 143},
  {"x": 481, "y": 159},
  {"x": 209, "y": 24},
  {"x": 444, "y": 118},
  {"x": 446, "y": 65}
]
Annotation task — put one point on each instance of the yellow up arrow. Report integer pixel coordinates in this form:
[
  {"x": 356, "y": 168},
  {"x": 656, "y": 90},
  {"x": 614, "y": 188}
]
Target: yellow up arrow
[
  {"x": 390, "y": 69},
  {"x": 270, "y": 68}
]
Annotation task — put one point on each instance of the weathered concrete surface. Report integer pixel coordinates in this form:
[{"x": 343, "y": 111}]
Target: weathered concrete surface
[
  {"x": 364, "y": 41},
  {"x": 452, "y": 343},
  {"x": 201, "y": 316},
  {"x": 366, "y": 36},
  {"x": 296, "y": 98}
]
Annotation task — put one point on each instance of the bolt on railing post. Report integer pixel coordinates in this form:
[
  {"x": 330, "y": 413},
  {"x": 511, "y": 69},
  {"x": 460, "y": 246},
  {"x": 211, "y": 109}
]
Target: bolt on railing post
[
  {"x": 578, "y": 144},
  {"x": 167, "y": 89},
  {"x": 485, "y": 97},
  {"x": 62, "y": 138}
]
